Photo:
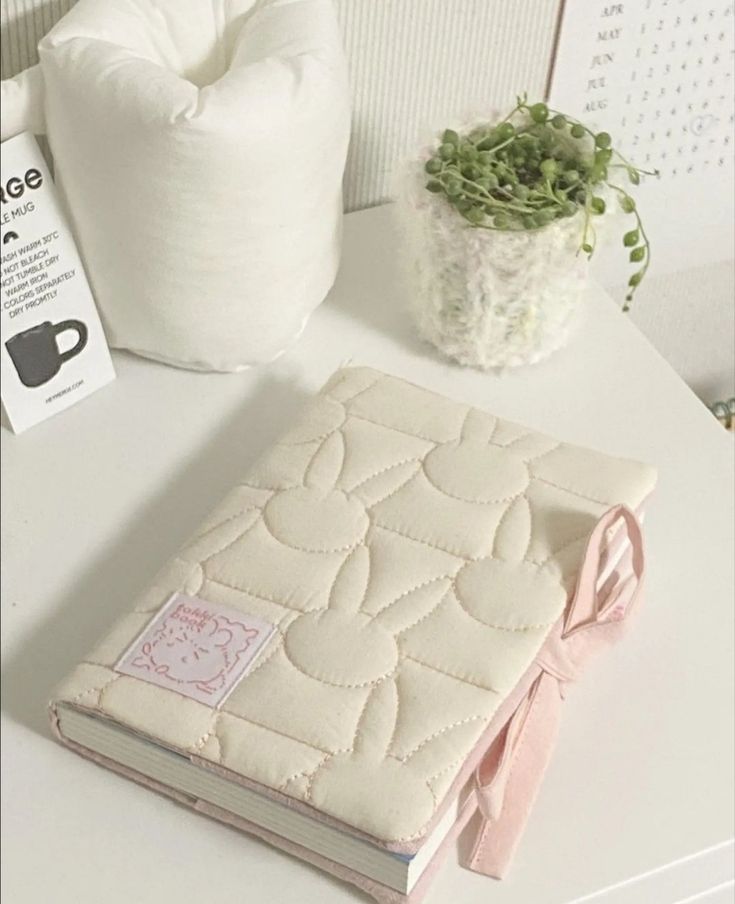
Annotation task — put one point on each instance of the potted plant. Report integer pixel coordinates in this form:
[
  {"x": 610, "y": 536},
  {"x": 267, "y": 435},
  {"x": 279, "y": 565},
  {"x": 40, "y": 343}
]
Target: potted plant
[{"x": 502, "y": 219}]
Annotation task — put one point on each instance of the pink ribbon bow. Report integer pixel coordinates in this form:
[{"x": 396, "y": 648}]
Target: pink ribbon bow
[{"x": 509, "y": 775}]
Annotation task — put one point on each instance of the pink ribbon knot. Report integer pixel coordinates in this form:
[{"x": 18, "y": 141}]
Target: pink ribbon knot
[{"x": 509, "y": 775}]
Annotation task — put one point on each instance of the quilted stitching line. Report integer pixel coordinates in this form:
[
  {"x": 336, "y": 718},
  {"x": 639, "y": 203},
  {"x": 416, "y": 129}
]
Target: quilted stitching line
[
  {"x": 406, "y": 757},
  {"x": 499, "y": 525},
  {"x": 197, "y": 746},
  {"x": 384, "y": 470},
  {"x": 368, "y": 577},
  {"x": 433, "y": 545},
  {"x": 415, "y": 435},
  {"x": 343, "y": 463},
  {"x": 571, "y": 490},
  {"x": 484, "y": 416},
  {"x": 496, "y": 427},
  {"x": 358, "y": 736},
  {"x": 531, "y": 524},
  {"x": 464, "y": 678},
  {"x": 349, "y": 401},
  {"x": 394, "y": 491},
  {"x": 315, "y": 552},
  {"x": 374, "y": 681},
  {"x": 259, "y": 596},
  {"x": 462, "y": 499},
  {"x": 535, "y": 458},
  {"x": 254, "y": 486},
  {"x": 451, "y": 767},
  {"x": 262, "y": 660},
  {"x": 310, "y": 465},
  {"x": 99, "y": 689},
  {"x": 319, "y": 437},
  {"x": 393, "y": 733},
  {"x": 422, "y": 617},
  {"x": 561, "y": 549},
  {"x": 310, "y": 773},
  {"x": 276, "y": 731},
  {"x": 523, "y": 628},
  {"x": 427, "y": 583},
  {"x": 237, "y": 539}
]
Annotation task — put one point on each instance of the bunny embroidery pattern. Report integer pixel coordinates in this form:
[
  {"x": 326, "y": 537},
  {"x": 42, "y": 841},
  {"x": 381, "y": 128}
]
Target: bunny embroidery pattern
[
  {"x": 195, "y": 648},
  {"x": 412, "y": 553}
]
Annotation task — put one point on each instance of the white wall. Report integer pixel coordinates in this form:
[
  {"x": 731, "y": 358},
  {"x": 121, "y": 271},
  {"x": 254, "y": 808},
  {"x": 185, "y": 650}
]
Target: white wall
[{"x": 418, "y": 63}]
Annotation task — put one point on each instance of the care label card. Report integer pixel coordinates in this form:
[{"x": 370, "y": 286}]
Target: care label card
[
  {"x": 196, "y": 648},
  {"x": 53, "y": 351}
]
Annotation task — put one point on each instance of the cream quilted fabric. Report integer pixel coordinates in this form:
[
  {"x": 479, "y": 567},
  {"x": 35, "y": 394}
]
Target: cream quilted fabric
[{"x": 413, "y": 553}]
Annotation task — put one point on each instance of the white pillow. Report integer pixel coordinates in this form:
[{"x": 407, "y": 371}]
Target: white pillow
[{"x": 200, "y": 148}]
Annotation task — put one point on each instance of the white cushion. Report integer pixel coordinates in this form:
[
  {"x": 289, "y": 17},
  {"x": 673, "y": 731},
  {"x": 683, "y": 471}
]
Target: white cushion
[{"x": 200, "y": 147}]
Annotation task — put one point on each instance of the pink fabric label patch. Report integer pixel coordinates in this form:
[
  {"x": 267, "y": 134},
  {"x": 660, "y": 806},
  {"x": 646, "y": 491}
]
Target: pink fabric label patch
[{"x": 196, "y": 648}]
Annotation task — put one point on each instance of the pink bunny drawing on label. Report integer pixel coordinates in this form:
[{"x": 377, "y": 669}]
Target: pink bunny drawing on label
[{"x": 196, "y": 648}]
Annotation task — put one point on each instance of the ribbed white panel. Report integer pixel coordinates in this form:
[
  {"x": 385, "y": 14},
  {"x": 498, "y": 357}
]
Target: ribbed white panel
[
  {"x": 22, "y": 24},
  {"x": 415, "y": 64}
]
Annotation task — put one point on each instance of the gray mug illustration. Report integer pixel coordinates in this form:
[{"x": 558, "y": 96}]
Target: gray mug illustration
[{"x": 36, "y": 354}]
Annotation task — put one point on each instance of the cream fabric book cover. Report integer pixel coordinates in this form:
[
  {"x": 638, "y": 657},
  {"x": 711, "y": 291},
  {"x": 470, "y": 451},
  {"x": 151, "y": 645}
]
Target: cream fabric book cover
[{"x": 345, "y": 626}]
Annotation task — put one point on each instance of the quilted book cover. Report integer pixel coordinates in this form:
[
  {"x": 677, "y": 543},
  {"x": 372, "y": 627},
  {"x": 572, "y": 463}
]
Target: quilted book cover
[{"x": 368, "y": 630}]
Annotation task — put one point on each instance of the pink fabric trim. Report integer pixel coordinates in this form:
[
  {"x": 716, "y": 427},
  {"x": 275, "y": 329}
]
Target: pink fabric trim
[
  {"x": 610, "y": 550},
  {"x": 508, "y": 778}
]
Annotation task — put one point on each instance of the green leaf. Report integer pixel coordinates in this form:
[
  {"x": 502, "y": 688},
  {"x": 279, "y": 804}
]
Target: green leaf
[
  {"x": 635, "y": 278},
  {"x": 475, "y": 215},
  {"x": 539, "y": 112},
  {"x": 598, "y": 205},
  {"x": 637, "y": 254},
  {"x": 598, "y": 173},
  {"x": 505, "y": 131},
  {"x": 627, "y": 203},
  {"x": 634, "y": 176},
  {"x": 587, "y": 248},
  {"x": 434, "y": 185},
  {"x": 631, "y": 238},
  {"x": 450, "y": 137}
]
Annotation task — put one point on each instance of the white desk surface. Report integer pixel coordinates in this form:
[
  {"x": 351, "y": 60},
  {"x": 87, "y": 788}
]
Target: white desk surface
[{"x": 97, "y": 498}]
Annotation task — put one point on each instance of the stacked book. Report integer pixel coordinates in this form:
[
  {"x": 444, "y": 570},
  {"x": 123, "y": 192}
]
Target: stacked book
[{"x": 364, "y": 649}]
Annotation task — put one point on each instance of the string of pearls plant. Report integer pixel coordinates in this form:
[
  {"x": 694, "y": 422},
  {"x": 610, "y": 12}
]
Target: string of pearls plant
[{"x": 532, "y": 168}]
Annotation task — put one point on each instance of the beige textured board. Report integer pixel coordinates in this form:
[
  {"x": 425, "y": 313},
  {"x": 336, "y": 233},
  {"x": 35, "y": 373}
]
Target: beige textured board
[{"x": 413, "y": 553}]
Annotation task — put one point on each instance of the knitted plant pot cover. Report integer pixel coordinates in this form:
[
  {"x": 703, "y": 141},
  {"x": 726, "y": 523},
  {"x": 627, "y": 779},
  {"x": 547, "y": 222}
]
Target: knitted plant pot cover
[{"x": 487, "y": 298}]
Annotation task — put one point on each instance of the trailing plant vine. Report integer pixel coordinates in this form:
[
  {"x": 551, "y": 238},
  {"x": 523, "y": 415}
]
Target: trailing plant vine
[{"x": 535, "y": 166}]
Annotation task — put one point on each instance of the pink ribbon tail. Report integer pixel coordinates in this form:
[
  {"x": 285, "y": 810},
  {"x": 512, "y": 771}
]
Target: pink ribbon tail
[{"x": 510, "y": 774}]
